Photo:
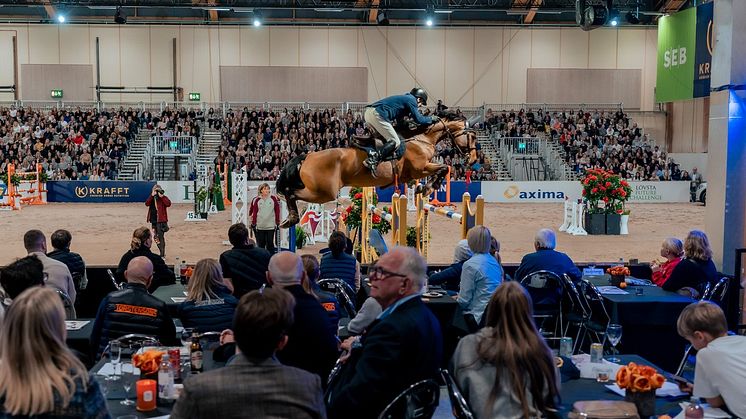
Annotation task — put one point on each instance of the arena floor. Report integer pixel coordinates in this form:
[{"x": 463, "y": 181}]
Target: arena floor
[{"x": 101, "y": 232}]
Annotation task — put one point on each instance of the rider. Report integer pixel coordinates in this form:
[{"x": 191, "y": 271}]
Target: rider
[{"x": 381, "y": 114}]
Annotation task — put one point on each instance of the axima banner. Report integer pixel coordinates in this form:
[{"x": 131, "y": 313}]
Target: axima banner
[
  {"x": 98, "y": 191},
  {"x": 556, "y": 192},
  {"x": 684, "y": 54}
]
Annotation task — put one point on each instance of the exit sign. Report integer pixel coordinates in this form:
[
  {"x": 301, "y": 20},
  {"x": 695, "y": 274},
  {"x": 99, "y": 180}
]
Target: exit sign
[
  {"x": 57, "y": 93},
  {"x": 194, "y": 97}
]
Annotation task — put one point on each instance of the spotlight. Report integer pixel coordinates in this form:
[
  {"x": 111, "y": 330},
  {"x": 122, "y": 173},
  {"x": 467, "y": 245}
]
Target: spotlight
[
  {"x": 613, "y": 17},
  {"x": 430, "y": 15},
  {"x": 61, "y": 18},
  {"x": 119, "y": 17},
  {"x": 614, "y": 22},
  {"x": 382, "y": 19},
  {"x": 429, "y": 22},
  {"x": 257, "y": 18}
]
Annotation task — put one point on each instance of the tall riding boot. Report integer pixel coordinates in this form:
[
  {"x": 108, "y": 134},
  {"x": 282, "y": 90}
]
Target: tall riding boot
[{"x": 386, "y": 151}]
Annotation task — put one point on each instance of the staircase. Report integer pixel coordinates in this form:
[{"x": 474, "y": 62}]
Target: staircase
[
  {"x": 559, "y": 170},
  {"x": 135, "y": 156},
  {"x": 207, "y": 150},
  {"x": 496, "y": 159}
]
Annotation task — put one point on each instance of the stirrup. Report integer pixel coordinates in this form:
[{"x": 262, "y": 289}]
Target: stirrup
[{"x": 371, "y": 164}]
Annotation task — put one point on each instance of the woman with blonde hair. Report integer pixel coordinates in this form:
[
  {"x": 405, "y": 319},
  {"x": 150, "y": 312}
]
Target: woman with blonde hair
[
  {"x": 142, "y": 240},
  {"x": 480, "y": 275},
  {"x": 696, "y": 269},
  {"x": 210, "y": 304},
  {"x": 39, "y": 376},
  {"x": 506, "y": 370},
  {"x": 673, "y": 250}
]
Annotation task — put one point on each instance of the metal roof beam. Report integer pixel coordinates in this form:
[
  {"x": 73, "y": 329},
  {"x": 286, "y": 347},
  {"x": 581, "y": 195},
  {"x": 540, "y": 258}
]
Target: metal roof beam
[{"x": 672, "y": 6}]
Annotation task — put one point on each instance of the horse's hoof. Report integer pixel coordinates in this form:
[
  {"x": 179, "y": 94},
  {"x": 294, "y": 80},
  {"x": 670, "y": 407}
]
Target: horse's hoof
[
  {"x": 290, "y": 221},
  {"x": 418, "y": 189}
]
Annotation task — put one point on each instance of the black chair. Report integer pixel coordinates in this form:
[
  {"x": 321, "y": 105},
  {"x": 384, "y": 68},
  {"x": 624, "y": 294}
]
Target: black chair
[
  {"x": 132, "y": 342},
  {"x": 598, "y": 318},
  {"x": 546, "y": 290},
  {"x": 117, "y": 285},
  {"x": 344, "y": 293},
  {"x": 68, "y": 305},
  {"x": 717, "y": 292},
  {"x": 419, "y": 401},
  {"x": 578, "y": 314},
  {"x": 459, "y": 405}
]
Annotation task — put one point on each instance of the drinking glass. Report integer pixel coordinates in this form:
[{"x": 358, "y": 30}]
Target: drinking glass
[
  {"x": 186, "y": 340},
  {"x": 127, "y": 379},
  {"x": 614, "y": 334},
  {"x": 115, "y": 356}
]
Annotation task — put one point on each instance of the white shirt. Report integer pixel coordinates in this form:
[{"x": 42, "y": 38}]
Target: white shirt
[{"x": 721, "y": 371}]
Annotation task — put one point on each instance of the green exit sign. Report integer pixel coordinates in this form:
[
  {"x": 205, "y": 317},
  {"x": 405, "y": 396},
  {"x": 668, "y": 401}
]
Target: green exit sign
[
  {"x": 194, "y": 97},
  {"x": 57, "y": 93}
]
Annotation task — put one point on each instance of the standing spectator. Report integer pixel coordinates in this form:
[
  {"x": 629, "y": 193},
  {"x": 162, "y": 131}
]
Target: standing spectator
[
  {"x": 61, "y": 240},
  {"x": 254, "y": 383},
  {"x": 57, "y": 274},
  {"x": 697, "y": 267},
  {"x": 672, "y": 249},
  {"x": 265, "y": 217},
  {"x": 480, "y": 275},
  {"x": 245, "y": 265},
  {"x": 157, "y": 203},
  {"x": 720, "y": 372},
  {"x": 696, "y": 180},
  {"x": 142, "y": 240},
  {"x": 506, "y": 370},
  {"x": 336, "y": 263},
  {"x": 39, "y": 375},
  {"x": 403, "y": 346},
  {"x": 209, "y": 304}
]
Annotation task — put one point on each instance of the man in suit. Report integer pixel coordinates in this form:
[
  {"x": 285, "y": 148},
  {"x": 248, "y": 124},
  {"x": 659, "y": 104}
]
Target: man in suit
[
  {"x": 254, "y": 384},
  {"x": 546, "y": 258},
  {"x": 313, "y": 344},
  {"x": 401, "y": 347}
]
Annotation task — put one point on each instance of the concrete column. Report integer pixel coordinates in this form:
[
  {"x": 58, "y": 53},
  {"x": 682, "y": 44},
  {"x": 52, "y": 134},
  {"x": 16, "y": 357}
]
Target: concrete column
[{"x": 725, "y": 216}]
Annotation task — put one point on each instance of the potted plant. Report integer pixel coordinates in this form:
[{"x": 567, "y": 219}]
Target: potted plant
[
  {"x": 352, "y": 215},
  {"x": 300, "y": 237},
  {"x": 639, "y": 383},
  {"x": 605, "y": 194},
  {"x": 201, "y": 200}
]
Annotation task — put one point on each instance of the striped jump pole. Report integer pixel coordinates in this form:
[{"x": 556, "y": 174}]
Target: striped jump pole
[{"x": 467, "y": 217}]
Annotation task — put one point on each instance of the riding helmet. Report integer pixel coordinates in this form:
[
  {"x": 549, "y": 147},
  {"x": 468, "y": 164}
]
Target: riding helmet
[{"x": 420, "y": 93}]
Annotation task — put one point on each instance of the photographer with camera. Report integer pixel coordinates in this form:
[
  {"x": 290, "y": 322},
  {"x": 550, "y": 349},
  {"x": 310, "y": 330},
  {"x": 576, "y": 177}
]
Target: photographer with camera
[{"x": 157, "y": 203}]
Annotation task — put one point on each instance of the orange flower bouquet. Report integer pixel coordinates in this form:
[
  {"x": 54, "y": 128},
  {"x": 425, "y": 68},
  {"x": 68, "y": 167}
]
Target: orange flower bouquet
[
  {"x": 617, "y": 275},
  {"x": 148, "y": 362},
  {"x": 640, "y": 383}
]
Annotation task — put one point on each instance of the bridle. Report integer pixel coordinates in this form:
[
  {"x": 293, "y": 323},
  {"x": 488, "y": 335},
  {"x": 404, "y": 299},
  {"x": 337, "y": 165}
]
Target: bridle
[{"x": 452, "y": 136}]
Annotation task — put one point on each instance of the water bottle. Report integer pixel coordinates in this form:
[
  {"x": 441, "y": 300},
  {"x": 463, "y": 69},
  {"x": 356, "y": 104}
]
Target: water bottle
[
  {"x": 177, "y": 266},
  {"x": 166, "y": 380},
  {"x": 694, "y": 410},
  {"x": 621, "y": 261}
]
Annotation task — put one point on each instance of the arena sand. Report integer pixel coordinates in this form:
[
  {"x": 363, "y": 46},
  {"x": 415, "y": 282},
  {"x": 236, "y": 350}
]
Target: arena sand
[{"x": 102, "y": 232}]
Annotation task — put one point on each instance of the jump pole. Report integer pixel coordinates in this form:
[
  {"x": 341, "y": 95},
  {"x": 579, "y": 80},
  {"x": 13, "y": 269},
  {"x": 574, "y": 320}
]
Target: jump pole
[
  {"x": 397, "y": 218},
  {"x": 468, "y": 218}
]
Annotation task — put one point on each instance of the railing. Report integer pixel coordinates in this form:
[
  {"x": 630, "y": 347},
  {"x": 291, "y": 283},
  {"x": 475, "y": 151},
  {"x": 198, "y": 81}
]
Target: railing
[
  {"x": 499, "y": 107},
  {"x": 540, "y": 155},
  {"x": 174, "y": 145}
]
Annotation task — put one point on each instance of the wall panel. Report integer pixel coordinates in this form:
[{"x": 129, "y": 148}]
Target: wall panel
[
  {"x": 314, "y": 47},
  {"x": 488, "y": 59},
  {"x": 254, "y": 45},
  {"x": 519, "y": 53},
  {"x": 229, "y": 40},
  {"x": 459, "y": 67},
  {"x": 584, "y": 86},
  {"x": 372, "y": 54},
  {"x": 283, "y": 46},
  {"x": 574, "y": 48},
  {"x": 545, "y": 48},
  {"x": 343, "y": 49},
  {"x": 74, "y": 43},
  {"x": 44, "y": 45},
  {"x": 431, "y": 61},
  {"x": 602, "y": 48},
  {"x": 75, "y": 80},
  {"x": 400, "y": 60}
]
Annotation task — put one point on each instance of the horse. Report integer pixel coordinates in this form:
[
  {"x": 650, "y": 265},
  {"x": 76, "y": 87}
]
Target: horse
[{"x": 317, "y": 177}]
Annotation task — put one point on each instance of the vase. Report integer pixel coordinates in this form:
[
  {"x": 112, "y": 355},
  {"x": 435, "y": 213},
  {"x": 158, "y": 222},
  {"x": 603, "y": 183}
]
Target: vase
[
  {"x": 643, "y": 400},
  {"x": 613, "y": 224},
  {"x": 595, "y": 223},
  {"x": 623, "y": 224},
  {"x": 616, "y": 280}
]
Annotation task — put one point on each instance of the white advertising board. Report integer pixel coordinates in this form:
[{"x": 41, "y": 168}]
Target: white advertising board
[{"x": 557, "y": 191}]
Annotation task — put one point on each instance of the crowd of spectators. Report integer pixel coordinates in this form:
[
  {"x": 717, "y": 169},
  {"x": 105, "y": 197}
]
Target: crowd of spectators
[{"x": 593, "y": 140}]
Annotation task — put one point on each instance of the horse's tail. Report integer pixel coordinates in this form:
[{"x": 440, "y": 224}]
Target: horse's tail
[{"x": 289, "y": 180}]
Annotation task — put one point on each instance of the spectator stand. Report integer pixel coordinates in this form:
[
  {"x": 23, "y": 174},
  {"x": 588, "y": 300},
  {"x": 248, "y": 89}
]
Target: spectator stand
[{"x": 23, "y": 188}]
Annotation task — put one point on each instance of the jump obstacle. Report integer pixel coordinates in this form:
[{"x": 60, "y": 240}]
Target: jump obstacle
[
  {"x": 15, "y": 196},
  {"x": 397, "y": 218},
  {"x": 468, "y": 218},
  {"x": 573, "y": 218}
]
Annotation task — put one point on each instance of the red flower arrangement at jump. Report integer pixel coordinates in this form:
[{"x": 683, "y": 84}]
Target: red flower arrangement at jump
[
  {"x": 352, "y": 215},
  {"x": 600, "y": 186}
]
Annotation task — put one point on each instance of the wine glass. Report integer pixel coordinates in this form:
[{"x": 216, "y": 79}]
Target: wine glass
[
  {"x": 186, "y": 339},
  {"x": 127, "y": 379},
  {"x": 614, "y": 334},
  {"x": 115, "y": 356}
]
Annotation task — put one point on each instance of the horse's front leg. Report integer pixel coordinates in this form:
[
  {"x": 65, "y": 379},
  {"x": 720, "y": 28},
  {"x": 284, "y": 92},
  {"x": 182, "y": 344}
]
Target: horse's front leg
[{"x": 436, "y": 173}]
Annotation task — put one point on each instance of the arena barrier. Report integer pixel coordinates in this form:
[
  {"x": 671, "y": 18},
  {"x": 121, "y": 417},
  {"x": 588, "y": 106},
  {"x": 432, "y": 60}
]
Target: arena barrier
[
  {"x": 468, "y": 218},
  {"x": 573, "y": 220},
  {"x": 30, "y": 190},
  {"x": 397, "y": 218}
]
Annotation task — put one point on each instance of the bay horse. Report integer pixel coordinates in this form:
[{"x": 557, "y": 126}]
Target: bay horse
[{"x": 317, "y": 177}]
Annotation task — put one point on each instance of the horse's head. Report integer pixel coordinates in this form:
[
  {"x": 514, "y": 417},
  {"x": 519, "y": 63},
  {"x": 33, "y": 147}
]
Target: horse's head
[{"x": 455, "y": 128}]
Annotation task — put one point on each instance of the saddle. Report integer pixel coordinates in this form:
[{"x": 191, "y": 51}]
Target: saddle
[{"x": 369, "y": 143}]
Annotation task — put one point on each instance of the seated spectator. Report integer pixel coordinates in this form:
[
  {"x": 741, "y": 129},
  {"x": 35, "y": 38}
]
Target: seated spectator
[
  {"x": 312, "y": 344},
  {"x": 142, "y": 240},
  {"x": 254, "y": 384},
  {"x": 547, "y": 259},
  {"x": 57, "y": 274},
  {"x": 506, "y": 370},
  {"x": 39, "y": 375},
  {"x": 245, "y": 265},
  {"x": 696, "y": 269},
  {"x": 672, "y": 249},
  {"x": 402, "y": 347},
  {"x": 328, "y": 301},
  {"x": 209, "y": 304},
  {"x": 480, "y": 276},
  {"x": 369, "y": 311},
  {"x": 450, "y": 277},
  {"x": 20, "y": 275},
  {"x": 495, "y": 253},
  {"x": 132, "y": 310},
  {"x": 338, "y": 264},
  {"x": 61, "y": 240},
  {"x": 720, "y": 372}
]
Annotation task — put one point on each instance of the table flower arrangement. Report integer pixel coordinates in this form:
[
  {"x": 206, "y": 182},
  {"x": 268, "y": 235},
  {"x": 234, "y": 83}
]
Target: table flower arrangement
[
  {"x": 640, "y": 383},
  {"x": 148, "y": 362},
  {"x": 618, "y": 273}
]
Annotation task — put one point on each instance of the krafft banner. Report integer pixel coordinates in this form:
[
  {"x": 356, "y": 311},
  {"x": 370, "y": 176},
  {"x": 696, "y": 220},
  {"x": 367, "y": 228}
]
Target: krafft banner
[
  {"x": 98, "y": 191},
  {"x": 684, "y": 54}
]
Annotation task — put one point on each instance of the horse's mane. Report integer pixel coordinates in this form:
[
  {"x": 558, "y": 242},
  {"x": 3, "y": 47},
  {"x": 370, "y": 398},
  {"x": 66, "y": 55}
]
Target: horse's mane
[{"x": 450, "y": 115}]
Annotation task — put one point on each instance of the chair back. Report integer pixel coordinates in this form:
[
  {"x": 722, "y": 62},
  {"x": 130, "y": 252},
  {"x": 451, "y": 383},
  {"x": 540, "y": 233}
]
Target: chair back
[
  {"x": 716, "y": 294},
  {"x": 459, "y": 405},
  {"x": 573, "y": 296},
  {"x": 545, "y": 288},
  {"x": 344, "y": 293},
  {"x": 117, "y": 286},
  {"x": 209, "y": 340},
  {"x": 706, "y": 291},
  {"x": 132, "y": 342},
  {"x": 419, "y": 401},
  {"x": 598, "y": 316},
  {"x": 68, "y": 304}
]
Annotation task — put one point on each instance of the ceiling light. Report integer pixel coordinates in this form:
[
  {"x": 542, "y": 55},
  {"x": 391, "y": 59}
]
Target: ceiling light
[
  {"x": 430, "y": 15},
  {"x": 257, "y": 20},
  {"x": 61, "y": 18},
  {"x": 444, "y": 11},
  {"x": 614, "y": 22}
]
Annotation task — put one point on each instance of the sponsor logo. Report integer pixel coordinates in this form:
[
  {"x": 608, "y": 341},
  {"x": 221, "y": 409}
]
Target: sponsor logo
[
  {"x": 328, "y": 306},
  {"x": 136, "y": 310},
  {"x": 645, "y": 193},
  {"x": 85, "y": 191},
  {"x": 514, "y": 191}
]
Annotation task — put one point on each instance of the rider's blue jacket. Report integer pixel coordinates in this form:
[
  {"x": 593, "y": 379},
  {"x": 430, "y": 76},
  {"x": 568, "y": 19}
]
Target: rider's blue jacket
[{"x": 396, "y": 107}]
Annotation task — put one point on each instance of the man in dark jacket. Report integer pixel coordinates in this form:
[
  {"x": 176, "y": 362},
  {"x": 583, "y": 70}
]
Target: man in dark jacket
[
  {"x": 245, "y": 265},
  {"x": 338, "y": 264},
  {"x": 547, "y": 259},
  {"x": 61, "y": 243},
  {"x": 132, "y": 310},
  {"x": 403, "y": 346},
  {"x": 312, "y": 342},
  {"x": 381, "y": 114}
]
